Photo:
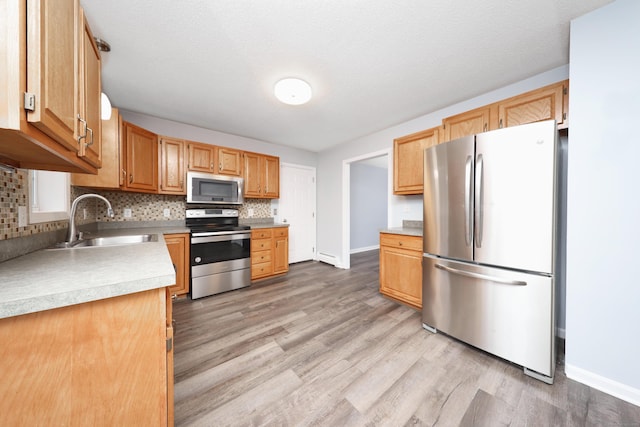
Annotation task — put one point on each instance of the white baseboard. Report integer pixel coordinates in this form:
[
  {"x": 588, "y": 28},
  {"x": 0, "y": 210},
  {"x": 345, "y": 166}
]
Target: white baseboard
[
  {"x": 365, "y": 249},
  {"x": 561, "y": 333},
  {"x": 614, "y": 388},
  {"x": 328, "y": 259}
]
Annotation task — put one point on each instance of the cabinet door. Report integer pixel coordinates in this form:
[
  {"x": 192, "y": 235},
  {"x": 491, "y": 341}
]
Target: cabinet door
[
  {"x": 172, "y": 174},
  {"x": 53, "y": 42},
  {"x": 542, "y": 104},
  {"x": 89, "y": 96},
  {"x": 111, "y": 174},
  {"x": 408, "y": 164},
  {"x": 97, "y": 363},
  {"x": 401, "y": 275},
  {"x": 467, "y": 123},
  {"x": 271, "y": 178},
  {"x": 252, "y": 175},
  {"x": 178, "y": 247},
  {"x": 202, "y": 157},
  {"x": 229, "y": 161},
  {"x": 280, "y": 250},
  {"x": 142, "y": 158}
]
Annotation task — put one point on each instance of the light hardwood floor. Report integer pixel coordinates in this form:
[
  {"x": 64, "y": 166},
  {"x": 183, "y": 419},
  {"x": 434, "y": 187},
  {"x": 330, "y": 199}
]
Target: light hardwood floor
[{"x": 320, "y": 346}]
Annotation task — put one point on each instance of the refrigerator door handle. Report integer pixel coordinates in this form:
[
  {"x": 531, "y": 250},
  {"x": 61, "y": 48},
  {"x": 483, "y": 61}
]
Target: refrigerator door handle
[
  {"x": 468, "y": 202},
  {"x": 481, "y": 276},
  {"x": 479, "y": 196}
]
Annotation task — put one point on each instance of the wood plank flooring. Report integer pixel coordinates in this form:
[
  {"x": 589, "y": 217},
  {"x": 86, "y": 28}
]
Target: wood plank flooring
[{"x": 321, "y": 347}]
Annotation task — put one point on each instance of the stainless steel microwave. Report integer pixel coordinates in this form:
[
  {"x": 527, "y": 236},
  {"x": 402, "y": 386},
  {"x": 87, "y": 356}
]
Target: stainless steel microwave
[{"x": 206, "y": 188}]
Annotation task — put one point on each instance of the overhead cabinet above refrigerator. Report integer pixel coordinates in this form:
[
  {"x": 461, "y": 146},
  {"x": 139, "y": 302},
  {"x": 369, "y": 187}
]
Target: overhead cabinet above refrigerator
[{"x": 490, "y": 246}]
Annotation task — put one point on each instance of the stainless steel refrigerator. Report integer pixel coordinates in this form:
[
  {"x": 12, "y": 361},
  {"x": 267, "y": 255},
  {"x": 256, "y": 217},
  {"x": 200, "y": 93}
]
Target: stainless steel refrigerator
[{"x": 491, "y": 213}]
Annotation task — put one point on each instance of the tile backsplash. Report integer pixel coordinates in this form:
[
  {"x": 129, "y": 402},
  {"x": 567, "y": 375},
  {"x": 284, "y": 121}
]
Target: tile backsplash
[
  {"x": 14, "y": 193},
  {"x": 144, "y": 207}
]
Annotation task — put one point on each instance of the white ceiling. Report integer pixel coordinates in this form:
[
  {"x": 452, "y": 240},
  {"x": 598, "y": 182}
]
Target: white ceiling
[{"x": 371, "y": 63}]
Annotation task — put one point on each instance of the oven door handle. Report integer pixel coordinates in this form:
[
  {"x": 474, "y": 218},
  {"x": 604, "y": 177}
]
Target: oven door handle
[{"x": 223, "y": 236}]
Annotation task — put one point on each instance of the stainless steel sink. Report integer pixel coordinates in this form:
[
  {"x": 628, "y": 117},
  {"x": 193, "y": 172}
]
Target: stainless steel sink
[{"x": 109, "y": 241}]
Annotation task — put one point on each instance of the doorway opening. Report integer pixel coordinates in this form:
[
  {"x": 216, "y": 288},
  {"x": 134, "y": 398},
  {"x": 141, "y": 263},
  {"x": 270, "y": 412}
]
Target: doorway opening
[{"x": 367, "y": 174}]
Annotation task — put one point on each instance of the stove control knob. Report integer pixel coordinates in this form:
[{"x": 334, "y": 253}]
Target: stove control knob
[{"x": 198, "y": 259}]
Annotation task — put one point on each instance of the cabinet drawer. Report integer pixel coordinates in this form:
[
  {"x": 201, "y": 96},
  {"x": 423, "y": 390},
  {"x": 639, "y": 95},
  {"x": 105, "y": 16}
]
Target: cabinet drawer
[
  {"x": 280, "y": 232},
  {"x": 261, "y": 234},
  {"x": 260, "y": 245},
  {"x": 259, "y": 257},
  {"x": 401, "y": 241},
  {"x": 261, "y": 269}
]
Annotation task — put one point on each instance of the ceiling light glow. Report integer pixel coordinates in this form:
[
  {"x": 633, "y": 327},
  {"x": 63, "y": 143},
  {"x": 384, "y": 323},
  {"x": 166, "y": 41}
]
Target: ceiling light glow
[{"x": 292, "y": 91}]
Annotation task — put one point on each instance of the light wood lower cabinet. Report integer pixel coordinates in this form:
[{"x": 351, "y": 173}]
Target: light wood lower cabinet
[
  {"x": 269, "y": 252},
  {"x": 401, "y": 268},
  {"x": 178, "y": 247},
  {"x": 99, "y": 363}
]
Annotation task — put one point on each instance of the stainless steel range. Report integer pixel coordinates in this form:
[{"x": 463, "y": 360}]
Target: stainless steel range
[{"x": 220, "y": 251}]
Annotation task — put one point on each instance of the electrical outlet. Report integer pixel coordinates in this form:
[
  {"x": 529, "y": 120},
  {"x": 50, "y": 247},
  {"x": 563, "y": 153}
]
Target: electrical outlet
[
  {"x": 275, "y": 211},
  {"x": 127, "y": 212},
  {"x": 250, "y": 212},
  {"x": 167, "y": 213}
]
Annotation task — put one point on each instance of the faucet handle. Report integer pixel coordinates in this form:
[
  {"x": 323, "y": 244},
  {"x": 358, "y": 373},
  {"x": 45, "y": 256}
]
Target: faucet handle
[{"x": 80, "y": 234}]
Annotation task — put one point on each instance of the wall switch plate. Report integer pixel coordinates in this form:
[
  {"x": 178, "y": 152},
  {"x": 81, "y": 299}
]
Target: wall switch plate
[
  {"x": 167, "y": 213},
  {"x": 250, "y": 212},
  {"x": 22, "y": 216},
  {"x": 127, "y": 212}
]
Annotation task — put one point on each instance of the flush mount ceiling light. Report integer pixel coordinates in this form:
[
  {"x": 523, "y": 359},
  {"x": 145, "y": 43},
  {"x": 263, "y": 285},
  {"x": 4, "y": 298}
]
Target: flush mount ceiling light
[{"x": 292, "y": 91}]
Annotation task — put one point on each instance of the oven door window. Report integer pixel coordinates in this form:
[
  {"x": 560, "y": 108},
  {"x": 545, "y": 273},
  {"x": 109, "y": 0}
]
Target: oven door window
[{"x": 207, "y": 250}]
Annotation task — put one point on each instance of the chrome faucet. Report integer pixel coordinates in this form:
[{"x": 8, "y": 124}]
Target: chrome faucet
[{"x": 72, "y": 234}]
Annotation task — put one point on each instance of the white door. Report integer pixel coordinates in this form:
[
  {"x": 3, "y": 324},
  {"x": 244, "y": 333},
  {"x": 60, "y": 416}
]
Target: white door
[{"x": 297, "y": 207}]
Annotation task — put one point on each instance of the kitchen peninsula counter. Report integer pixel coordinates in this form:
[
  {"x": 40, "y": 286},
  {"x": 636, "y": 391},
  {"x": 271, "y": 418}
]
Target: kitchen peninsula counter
[{"x": 54, "y": 278}]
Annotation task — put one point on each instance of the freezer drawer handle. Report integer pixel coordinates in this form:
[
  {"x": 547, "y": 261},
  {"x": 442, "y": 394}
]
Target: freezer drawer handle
[{"x": 481, "y": 276}]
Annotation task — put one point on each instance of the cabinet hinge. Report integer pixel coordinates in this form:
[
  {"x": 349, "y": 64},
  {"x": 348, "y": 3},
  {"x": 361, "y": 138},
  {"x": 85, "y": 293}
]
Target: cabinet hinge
[
  {"x": 564, "y": 90},
  {"x": 29, "y": 101},
  {"x": 564, "y": 116},
  {"x": 169, "y": 343}
]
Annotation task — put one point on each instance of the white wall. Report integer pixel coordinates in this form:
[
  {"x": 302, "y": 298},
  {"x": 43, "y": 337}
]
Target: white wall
[
  {"x": 368, "y": 205},
  {"x": 603, "y": 284},
  {"x": 330, "y": 187},
  {"x": 194, "y": 133}
]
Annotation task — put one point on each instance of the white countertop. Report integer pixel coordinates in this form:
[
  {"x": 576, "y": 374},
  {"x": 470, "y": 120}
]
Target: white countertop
[
  {"x": 48, "y": 279},
  {"x": 407, "y": 231}
]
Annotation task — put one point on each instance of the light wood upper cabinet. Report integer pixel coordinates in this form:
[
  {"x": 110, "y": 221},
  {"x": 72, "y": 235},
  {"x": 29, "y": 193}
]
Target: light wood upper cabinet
[
  {"x": 467, "y": 123},
  {"x": 53, "y": 46},
  {"x": 271, "y": 177},
  {"x": 261, "y": 176},
  {"x": 39, "y": 76},
  {"x": 401, "y": 268},
  {"x": 90, "y": 137},
  {"x": 112, "y": 173},
  {"x": 408, "y": 158},
  {"x": 202, "y": 157},
  {"x": 178, "y": 247},
  {"x": 172, "y": 173},
  {"x": 229, "y": 161},
  {"x": 141, "y": 158},
  {"x": 545, "y": 103}
]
